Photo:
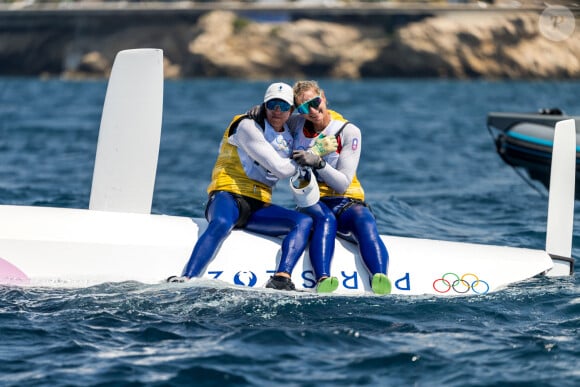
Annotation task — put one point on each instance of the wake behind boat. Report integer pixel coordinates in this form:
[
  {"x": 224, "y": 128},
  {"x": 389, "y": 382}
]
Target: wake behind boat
[{"x": 118, "y": 239}]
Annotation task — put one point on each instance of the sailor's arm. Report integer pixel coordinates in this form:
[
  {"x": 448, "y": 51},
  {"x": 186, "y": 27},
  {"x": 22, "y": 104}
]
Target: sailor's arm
[
  {"x": 250, "y": 138},
  {"x": 339, "y": 178}
]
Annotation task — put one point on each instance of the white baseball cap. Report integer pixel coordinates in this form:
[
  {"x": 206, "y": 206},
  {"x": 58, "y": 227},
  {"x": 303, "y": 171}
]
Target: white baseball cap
[
  {"x": 280, "y": 90},
  {"x": 304, "y": 188}
]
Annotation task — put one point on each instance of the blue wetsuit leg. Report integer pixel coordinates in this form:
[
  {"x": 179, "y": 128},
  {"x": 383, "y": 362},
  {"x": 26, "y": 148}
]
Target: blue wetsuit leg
[
  {"x": 222, "y": 213},
  {"x": 322, "y": 241},
  {"x": 359, "y": 221},
  {"x": 275, "y": 220}
]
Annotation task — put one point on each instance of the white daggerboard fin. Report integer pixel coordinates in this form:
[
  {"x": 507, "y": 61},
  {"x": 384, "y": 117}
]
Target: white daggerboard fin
[
  {"x": 130, "y": 133},
  {"x": 561, "y": 200}
]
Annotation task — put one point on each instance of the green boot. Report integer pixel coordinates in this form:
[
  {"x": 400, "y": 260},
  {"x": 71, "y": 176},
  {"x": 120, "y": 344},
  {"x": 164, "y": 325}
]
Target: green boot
[
  {"x": 327, "y": 285},
  {"x": 381, "y": 284}
]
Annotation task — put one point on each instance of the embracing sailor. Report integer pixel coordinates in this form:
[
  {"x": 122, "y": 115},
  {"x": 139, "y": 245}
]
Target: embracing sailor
[
  {"x": 341, "y": 210},
  {"x": 254, "y": 154}
]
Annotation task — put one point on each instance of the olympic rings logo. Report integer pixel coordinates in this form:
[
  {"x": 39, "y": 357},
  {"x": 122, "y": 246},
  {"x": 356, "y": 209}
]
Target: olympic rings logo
[{"x": 461, "y": 285}]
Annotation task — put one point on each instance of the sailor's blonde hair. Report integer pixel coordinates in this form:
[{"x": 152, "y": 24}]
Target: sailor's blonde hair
[{"x": 301, "y": 86}]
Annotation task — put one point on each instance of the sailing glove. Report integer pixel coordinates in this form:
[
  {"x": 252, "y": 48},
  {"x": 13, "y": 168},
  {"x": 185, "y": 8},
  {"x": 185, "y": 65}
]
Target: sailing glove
[
  {"x": 309, "y": 159},
  {"x": 324, "y": 145}
]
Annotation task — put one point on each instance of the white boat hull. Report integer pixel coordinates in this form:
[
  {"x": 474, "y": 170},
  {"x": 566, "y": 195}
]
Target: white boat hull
[{"x": 75, "y": 247}]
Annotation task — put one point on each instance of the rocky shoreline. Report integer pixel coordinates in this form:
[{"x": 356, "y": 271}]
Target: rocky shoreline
[{"x": 502, "y": 45}]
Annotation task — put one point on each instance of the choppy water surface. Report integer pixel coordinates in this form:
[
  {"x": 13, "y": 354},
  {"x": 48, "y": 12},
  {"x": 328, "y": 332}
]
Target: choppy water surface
[{"x": 429, "y": 169}]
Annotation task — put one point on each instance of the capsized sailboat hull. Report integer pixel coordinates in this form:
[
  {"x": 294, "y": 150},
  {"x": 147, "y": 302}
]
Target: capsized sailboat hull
[{"x": 77, "y": 247}]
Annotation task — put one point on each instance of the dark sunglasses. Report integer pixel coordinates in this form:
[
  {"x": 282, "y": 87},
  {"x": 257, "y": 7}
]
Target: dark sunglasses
[
  {"x": 311, "y": 103},
  {"x": 274, "y": 103}
]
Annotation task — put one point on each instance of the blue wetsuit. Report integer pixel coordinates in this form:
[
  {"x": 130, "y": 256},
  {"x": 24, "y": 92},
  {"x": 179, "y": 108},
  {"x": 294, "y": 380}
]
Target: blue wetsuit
[
  {"x": 356, "y": 223},
  {"x": 223, "y": 213},
  {"x": 321, "y": 248}
]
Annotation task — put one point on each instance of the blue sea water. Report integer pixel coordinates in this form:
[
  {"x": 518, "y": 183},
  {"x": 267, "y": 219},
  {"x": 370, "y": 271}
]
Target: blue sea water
[{"x": 429, "y": 169}]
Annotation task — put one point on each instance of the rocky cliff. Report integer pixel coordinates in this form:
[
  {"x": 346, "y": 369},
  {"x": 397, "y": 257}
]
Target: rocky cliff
[{"x": 222, "y": 44}]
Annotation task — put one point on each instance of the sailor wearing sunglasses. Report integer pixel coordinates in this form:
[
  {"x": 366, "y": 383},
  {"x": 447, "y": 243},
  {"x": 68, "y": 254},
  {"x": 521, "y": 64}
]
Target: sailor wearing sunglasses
[
  {"x": 254, "y": 154},
  {"x": 341, "y": 210}
]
